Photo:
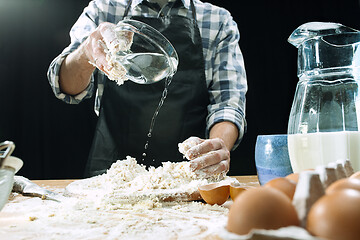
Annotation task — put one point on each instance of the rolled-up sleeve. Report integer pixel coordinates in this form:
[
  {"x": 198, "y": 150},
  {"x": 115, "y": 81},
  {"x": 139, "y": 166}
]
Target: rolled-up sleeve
[
  {"x": 83, "y": 27},
  {"x": 228, "y": 85}
]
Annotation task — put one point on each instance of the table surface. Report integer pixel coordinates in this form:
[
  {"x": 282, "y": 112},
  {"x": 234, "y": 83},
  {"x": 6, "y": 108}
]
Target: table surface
[
  {"x": 12, "y": 224},
  {"x": 251, "y": 180}
]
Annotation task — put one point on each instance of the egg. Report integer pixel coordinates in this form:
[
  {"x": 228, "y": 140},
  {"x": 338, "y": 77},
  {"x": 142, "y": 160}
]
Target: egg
[
  {"x": 235, "y": 190},
  {"x": 293, "y": 176},
  {"x": 356, "y": 175},
  {"x": 285, "y": 185},
  {"x": 261, "y": 208},
  {"x": 336, "y": 216},
  {"x": 215, "y": 193},
  {"x": 344, "y": 183}
]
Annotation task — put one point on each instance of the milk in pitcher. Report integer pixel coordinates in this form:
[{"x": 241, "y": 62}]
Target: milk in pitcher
[{"x": 307, "y": 151}]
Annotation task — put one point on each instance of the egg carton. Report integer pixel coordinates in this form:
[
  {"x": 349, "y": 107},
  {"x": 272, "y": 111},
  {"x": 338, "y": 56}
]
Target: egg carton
[{"x": 312, "y": 184}]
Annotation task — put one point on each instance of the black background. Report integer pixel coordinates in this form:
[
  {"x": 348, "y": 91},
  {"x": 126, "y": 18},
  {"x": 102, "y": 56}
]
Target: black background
[{"x": 53, "y": 138}]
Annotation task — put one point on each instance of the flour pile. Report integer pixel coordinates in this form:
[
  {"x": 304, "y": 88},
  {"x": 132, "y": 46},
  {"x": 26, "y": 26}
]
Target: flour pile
[{"x": 128, "y": 183}]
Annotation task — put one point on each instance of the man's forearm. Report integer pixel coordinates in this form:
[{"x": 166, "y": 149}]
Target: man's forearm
[
  {"x": 75, "y": 72},
  {"x": 227, "y": 131}
]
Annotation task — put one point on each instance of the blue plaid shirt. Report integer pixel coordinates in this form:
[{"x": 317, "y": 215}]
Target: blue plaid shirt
[{"x": 224, "y": 64}]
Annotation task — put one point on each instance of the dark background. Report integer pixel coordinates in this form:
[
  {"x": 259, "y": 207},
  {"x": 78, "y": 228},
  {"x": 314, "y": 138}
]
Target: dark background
[{"x": 53, "y": 138}]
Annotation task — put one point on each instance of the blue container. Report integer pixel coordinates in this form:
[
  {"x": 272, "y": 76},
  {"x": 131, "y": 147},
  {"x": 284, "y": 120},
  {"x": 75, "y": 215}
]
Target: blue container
[{"x": 272, "y": 157}]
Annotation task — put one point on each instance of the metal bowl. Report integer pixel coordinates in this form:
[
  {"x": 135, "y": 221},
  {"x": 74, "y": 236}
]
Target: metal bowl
[{"x": 9, "y": 165}]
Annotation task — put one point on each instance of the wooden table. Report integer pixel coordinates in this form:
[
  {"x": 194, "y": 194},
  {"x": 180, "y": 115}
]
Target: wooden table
[
  {"x": 17, "y": 225},
  {"x": 51, "y": 184}
]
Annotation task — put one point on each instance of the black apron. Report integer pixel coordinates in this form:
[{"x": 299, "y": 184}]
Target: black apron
[{"x": 126, "y": 111}]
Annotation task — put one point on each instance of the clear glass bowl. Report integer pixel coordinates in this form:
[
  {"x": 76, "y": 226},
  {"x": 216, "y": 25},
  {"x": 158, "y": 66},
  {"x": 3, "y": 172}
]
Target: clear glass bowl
[{"x": 151, "y": 56}]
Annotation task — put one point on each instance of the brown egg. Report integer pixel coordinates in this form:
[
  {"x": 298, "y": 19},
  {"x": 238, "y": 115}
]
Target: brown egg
[
  {"x": 336, "y": 216},
  {"x": 293, "y": 176},
  {"x": 285, "y": 185},
  {"x": 261, "y": 208},
  {"x": 344, "y": 183},
  {"x": 215, "y": 193},
  {"x": 355, "y": 175}
]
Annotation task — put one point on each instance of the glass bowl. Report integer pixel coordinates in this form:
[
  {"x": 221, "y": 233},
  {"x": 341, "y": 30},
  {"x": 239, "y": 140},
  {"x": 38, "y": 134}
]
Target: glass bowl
[{"x": 150, "y": 57}]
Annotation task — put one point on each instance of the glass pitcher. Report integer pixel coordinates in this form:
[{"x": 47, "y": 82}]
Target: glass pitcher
[{"x": 324, "y": 119}]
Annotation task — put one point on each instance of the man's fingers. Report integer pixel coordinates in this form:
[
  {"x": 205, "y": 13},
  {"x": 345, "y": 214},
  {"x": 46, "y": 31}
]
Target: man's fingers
[
  {"x": 221, "y": 167},
  {"x": 116, "y": 39},
  {"x": 204, "y": 147},
  {"x": 211, "y": 158},
  {"x": 108, "y": 34},
  {"x": 189, "y": 143},
  {"x": 96, "y": 51}
]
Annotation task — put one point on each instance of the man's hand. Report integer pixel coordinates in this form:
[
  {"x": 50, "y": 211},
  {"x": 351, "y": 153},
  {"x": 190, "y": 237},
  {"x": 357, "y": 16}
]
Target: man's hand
[
  {"x": 78, "y": 66},
  {"x": 96, "y": 45},
  {"x": 210, "y": 156}
]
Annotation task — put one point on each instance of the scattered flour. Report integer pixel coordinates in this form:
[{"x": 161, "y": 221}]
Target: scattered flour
[
  {"x": 127, "y": 202},
  {"x": 81, "y": 219}
]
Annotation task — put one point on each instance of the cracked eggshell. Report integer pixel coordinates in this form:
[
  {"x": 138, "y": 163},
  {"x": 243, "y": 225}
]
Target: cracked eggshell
[
  {"x": 215, "y": 193},
  {"x": 236, "y": 190}
]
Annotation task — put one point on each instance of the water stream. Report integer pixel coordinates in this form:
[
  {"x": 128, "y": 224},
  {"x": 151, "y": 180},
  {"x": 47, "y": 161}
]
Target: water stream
[{"x": 156, "y": 113}]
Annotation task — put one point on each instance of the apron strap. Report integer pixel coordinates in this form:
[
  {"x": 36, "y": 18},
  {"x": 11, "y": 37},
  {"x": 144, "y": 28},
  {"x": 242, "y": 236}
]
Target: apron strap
[
  {"x": 127, "y": 9},
  {"x": 192, "y": 6},
  {"x": 162, "y": 12},
  {"x": 193, "y": 10}
]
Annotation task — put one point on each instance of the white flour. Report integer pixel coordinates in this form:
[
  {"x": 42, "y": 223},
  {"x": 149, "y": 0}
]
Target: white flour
[
  {"x": 92, "y": 214},
  {"x": 81, "y": 219},
  {"x": 127, "y": 183},
  {"x": 124, "y": 203}
]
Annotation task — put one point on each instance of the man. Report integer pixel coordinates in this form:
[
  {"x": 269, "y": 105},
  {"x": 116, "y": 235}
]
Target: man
[{"x": 206, "y": 98}]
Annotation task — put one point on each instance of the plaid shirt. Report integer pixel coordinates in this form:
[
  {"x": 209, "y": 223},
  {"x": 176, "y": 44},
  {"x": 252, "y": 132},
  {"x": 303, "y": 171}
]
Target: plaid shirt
[{"x": 224, "y": 65}]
